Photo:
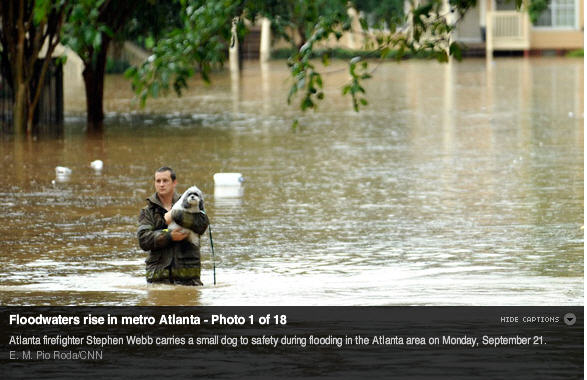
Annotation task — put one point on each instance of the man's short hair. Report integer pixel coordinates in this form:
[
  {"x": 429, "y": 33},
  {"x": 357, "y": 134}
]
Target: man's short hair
[{"x": 166, "y": 169}]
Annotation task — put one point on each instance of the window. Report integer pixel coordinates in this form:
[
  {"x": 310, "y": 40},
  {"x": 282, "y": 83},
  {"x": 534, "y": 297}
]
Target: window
[{"x": 559, "y": 14}]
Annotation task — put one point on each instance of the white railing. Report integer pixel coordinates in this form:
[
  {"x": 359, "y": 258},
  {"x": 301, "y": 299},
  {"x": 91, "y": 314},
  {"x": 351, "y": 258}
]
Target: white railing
[{"x": 508, "y": 30}]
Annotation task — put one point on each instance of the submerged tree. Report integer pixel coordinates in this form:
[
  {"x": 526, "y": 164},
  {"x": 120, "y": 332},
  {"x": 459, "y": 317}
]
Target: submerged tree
[
  {"x": 88, "y": 32},
  {"x": 95, "y": 24},
  {"x": 27, "y": 28}
]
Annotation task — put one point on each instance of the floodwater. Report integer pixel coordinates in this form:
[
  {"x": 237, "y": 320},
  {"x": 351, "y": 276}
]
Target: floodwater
[{"x": 459, "y": 184}]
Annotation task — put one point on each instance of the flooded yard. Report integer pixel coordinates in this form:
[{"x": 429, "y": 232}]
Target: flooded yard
[{"x": 459, "y": 184}]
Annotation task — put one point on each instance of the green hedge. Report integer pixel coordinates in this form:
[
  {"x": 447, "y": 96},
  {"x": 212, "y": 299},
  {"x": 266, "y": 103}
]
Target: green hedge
[{"x": 575, "y": 53}]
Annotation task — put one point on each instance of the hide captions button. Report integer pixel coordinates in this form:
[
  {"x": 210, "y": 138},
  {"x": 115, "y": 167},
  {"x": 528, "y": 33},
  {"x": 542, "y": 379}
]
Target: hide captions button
[{"x": 570, "y": 319}]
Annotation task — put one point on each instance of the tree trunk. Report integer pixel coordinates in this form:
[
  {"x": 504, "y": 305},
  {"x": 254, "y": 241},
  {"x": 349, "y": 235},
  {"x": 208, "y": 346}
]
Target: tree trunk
[
  {"x": 94, "y": 99},
  {"x": 94, "y": 73},
  {"x": 19, "y": 108},
  {"x": 114, "y": 14}
]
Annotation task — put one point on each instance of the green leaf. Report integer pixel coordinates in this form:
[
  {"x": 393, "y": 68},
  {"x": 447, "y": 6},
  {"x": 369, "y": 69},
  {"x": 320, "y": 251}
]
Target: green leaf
[
  {"x": 455, "y": 51},
  {"x": 149, "y": 42},
  {"x": 130, "y": 72},
  {"x": 89, "y": 36},
  {"x": 97, "y": 42},
  {"x": 40, "y": 11},
  {"x": 319, "y": 80},
  {"x": 62, "y": 60},
  {"x": 442, "y": 57},
  {"x": 292, "y": 91},
  {"x": 364, "y": 24},
  {"x": 105, "y": 29},
  {"x": 307, "y": 103}
]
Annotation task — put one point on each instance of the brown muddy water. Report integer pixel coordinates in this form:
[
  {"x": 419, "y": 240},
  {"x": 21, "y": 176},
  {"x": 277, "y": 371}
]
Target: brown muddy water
[{"x": 459, "y": 184}]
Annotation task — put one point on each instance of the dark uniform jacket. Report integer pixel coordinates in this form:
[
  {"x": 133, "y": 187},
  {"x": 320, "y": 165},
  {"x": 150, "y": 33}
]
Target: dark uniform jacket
[{"x": 173, "y": 261}]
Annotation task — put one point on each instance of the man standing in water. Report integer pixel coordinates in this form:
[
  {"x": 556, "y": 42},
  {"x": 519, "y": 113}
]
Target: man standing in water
[{"x": 172, "y": 258}]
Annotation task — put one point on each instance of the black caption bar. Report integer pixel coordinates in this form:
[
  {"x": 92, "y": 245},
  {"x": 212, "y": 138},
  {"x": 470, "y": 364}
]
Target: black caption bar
[{"x": 449, "y": 342}]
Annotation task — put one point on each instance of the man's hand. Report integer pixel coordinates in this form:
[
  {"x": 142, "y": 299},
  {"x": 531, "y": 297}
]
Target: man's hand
[{"x": 179, "y": 234}]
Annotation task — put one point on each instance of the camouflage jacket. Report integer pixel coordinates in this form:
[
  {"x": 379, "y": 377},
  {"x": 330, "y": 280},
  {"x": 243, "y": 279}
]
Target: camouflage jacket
[{"x": 180, "y": 257}]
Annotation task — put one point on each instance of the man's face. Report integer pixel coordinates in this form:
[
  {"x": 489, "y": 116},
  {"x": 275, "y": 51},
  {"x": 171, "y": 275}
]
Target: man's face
[{"x": 163, "y": 183}]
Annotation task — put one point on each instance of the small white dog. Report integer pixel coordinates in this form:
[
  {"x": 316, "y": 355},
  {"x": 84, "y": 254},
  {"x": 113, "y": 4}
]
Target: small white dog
[{"x": 192, "y": 201}]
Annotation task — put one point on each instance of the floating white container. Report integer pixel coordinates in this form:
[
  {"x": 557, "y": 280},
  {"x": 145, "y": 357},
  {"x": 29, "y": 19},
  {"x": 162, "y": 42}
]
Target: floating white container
[
  {"x": 228, "y": 179},
  {"x": 228, "y": 185},
  {"x": 62, "y": 174},
  {"x": 62, "y": 171},
  {"x": 97, "y": 165}
]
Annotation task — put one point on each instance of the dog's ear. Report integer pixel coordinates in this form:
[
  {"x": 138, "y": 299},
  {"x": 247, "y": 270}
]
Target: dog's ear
[{"x": 201, "y": 196}]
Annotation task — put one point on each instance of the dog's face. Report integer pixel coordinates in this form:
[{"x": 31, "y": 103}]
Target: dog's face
[{"x": 193, "y": 199}]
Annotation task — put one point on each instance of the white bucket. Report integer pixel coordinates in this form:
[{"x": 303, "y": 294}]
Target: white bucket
[{"x": 228, "y": 179}]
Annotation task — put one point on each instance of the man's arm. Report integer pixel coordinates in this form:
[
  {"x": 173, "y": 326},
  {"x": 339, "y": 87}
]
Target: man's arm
[
  {"x": 150, "y": 238},
  {"x": 197, "y": 222}
]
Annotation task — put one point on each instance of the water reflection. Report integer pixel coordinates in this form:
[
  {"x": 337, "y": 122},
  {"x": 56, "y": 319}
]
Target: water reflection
[{"x": 459, "y": 184}]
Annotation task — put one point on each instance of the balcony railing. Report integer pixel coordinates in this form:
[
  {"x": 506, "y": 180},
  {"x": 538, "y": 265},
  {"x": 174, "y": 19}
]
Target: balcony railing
[{"x": 508, "y": 30}]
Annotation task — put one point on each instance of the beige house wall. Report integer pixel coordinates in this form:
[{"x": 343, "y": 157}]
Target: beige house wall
[
  {"x": 469, "y": 28},
  {"x": 556, "y": 39}
]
